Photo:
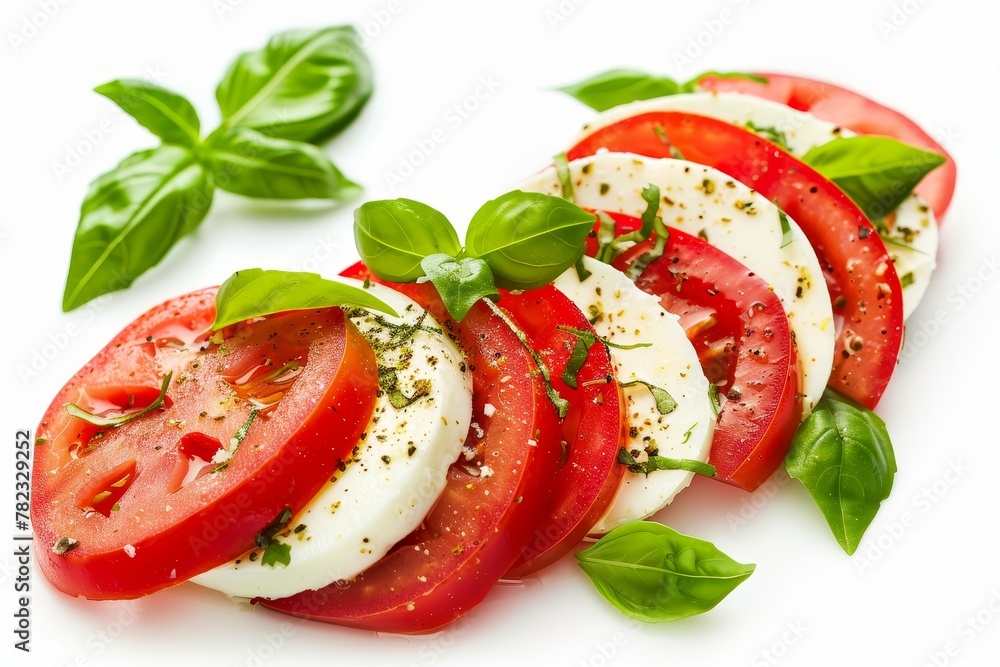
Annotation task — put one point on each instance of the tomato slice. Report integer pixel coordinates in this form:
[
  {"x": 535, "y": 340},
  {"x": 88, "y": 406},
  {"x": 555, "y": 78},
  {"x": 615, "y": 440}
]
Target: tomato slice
[
  {"x": 122, "y": 511},
  {"x": 739, "y": 329},
  {"x": 494, "y": 497},
  {"x": 592, "y": 431},
  {"x": 853, "y": 111},
  {"x": 867, "y": 296}
]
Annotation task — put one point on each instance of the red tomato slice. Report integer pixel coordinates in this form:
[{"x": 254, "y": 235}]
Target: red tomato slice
[
  {"x": 855, "y": 112},
  {"x": 122, "y": 511},
  {"x": 480, "y": 523},
  {"x": 867, "y": 296},
  {"x": 739, "y": 329},
  {"x": 592, "y": 431}
]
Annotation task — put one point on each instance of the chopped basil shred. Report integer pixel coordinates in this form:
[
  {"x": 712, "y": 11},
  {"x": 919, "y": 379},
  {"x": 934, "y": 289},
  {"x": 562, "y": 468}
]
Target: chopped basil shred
[
  {"x": 277, "y": 553},
  {"x": 786, "y": 229},
  {"x": 665, "y": 403},
  {"x": 75, "y": 410},
  {"x": 772, "y": 134},
  {"x": 655, "y": 462},
  {"x": 565, "y": 179},
  {"x": 591, "y": 338},
  {"x": 265, "y": 537}
]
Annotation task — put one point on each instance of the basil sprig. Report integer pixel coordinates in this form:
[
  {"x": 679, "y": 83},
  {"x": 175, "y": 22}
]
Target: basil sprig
[
  {"x": 520, "y": 240},
  {"x": 878, "y": 173},
  {"x": 842, "y": 455},
  {"x": 653, "y": 573},
  {"x": 621, "y": 86},
  {"x": 303, "y": 86},
  {"x": 255, "y": 293}
]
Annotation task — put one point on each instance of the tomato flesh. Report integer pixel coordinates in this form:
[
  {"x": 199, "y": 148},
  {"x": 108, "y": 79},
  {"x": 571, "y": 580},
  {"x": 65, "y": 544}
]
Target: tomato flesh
[
  {"x": 116, "y": 513},
  {"x": 741, "y": 333},
  {"x": 481, "y": 522},
  {"x": 866, "y": 293},
  {"x": 592, "y": 431},
  {"x": 855, "y": 112}
]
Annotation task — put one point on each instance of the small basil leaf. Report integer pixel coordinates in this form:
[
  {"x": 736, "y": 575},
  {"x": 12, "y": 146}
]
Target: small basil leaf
[
  {"x": 164, "y": 113},
  {"x": 277, "y": 553},
  {"x": 251, "y": 164},
  {"x": 692, "y": 85},
  {"x": 878, "y": 173},
  {"x": 656, "y": 462},
  {"x": 304, "y": 85},
  {"x": 653, "y": 573},
  {"x": 620, "y": 86},
  {"x": 528, "y": 239},
  {"x": 565, "y": 178},
  {"x": 786, "y": 228},
  {"x": 665, "y": 403},
  {"x": 769, "y": 132},
  {"x": 393, "y": 236},
  {"x": 255, "y": 293},
  {"x": 842, "y": 455},
  {"x": 131, "y": 216},
  {"x": 459, "y": 282}
]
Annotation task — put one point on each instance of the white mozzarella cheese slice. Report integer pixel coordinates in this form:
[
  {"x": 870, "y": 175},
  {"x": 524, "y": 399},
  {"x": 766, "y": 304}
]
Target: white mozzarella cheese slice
[
  {"x": 733, "y": 218},
  {"x": 397, "y": 470},
  {"x": 623, "y": 314},
  {"x": 911, "y": 238}
]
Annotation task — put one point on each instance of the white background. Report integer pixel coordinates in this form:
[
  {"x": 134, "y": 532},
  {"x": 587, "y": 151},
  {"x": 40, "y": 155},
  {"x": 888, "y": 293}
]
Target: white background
[{"x": 906, "y": 595}]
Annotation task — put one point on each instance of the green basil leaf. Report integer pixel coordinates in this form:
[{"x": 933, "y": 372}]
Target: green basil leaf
[
  {"x": 769, "y": 132},
  {"x": 665, "y": 403},
  {"x": 786, "y": 228},
  {"x": 255, "y": 293},
  {"x": 653, "y": 573},
  {"x": 842, "y": 455},
  {"x": 878, "y": 173},
  {"x": 565, "y": 178},
  {"x": 251, "y": 164},
  {"x": 164, "y": 113},
  {"x": 277, "y": 553},
  {"x": 459, "y": 282},
  {"x": 131, "y": 216},
  {"x": 304, "y": 85},
  {"x": 620, "y": 86},
  {"x": 528, "y": 239},
  {"x": 393, "y": 236}
]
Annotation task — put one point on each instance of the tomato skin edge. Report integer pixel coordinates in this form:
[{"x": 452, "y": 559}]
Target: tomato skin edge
[{"x": 229, "y": 523}]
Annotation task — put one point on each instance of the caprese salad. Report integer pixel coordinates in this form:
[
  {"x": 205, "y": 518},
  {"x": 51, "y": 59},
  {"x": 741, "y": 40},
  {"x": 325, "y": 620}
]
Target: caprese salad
[{"x": 705, "y": 283}]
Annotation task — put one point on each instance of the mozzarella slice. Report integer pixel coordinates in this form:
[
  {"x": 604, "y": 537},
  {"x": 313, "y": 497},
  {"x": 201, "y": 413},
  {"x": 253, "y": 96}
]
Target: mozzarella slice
[
  {"x": 911, "y": 238},
  {"x": 623, "y": 314},
  {"x": 735, "y": 219},
  {"x": 398, "y": 469}
]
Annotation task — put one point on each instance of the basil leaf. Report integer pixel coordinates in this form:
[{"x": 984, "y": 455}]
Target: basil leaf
[
  {"x": 771, "y": 133},
  {"x": 164, "y": 113},
  {"x": 131, "y": 216},
  {"x": 653, "y": 573},
  {"x": 565, "y": 178},
  {"x": 878, "y": 173},
  {"x": 266, "y": 536},
  {"x": 255, "y": 293},
  {"x": 620, "y": 86},
  {"x": 459, "y": 282},
  {"x": 842, "y": 455},
  {"x": 251, "y": 164},
  {"x": 665, "y": 403},
  {"x": 277, "y": 553},
  {"x": 393, "y": 236},
  {"x": 75, "y": 410},
  {"x": 304, "y": 85},
  {"x": 528, "y": 239},
  {"x": 786, "y": 228}
]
